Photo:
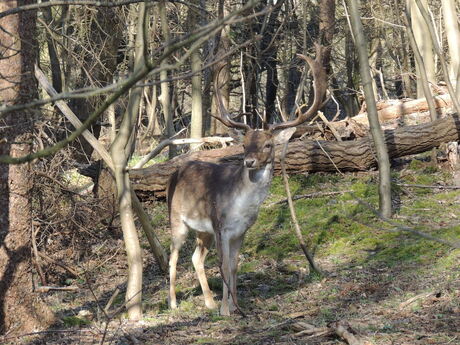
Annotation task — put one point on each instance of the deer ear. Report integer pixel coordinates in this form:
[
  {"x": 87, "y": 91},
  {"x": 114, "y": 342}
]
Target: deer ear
[
  {"x": 237, "y": 135},
  {"x": 284, "y": 135}
]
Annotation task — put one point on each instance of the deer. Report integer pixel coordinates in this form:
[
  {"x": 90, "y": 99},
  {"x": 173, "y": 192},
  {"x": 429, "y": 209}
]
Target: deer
[{"x": 221, "y": 201}]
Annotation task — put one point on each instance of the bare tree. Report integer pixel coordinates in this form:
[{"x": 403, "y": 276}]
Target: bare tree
[
  {"x": 379, "y": 142},
  {"x": 121, "y": 151}
]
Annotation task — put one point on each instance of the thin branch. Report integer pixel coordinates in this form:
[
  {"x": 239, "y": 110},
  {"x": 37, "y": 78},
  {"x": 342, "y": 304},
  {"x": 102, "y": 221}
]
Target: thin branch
[
  {"x": 298, "y": 233},
  {"x": 96, "y": 3}
]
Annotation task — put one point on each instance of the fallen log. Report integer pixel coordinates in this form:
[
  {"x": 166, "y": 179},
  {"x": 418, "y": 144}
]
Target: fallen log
[
  {"x": 314, "y": 156},
  {"x": 402, "y": 108},
  {"x": 392, "y": 114}
]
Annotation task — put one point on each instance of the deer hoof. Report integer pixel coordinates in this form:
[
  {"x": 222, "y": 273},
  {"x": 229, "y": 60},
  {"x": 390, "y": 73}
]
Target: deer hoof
[
  {"x": 224, "y": 311},
  {"x": 172, "y": 304},
  {"x": 210, "y": 304}
]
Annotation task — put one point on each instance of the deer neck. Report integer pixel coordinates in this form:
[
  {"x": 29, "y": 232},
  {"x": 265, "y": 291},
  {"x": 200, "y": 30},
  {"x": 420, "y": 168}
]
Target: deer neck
[
  {"x": 258, "y": 177},
  {"x": 254, "y": 184}
]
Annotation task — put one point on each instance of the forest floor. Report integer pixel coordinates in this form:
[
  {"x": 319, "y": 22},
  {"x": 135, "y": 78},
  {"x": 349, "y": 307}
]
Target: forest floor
[{"x": 389, "y": 286}]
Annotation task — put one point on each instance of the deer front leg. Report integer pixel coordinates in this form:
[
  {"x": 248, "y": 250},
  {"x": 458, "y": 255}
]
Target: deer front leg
[
  {"x": 226, "y": 276},
  {"x": 203, "y": 242},
  {"x": 235, "y": 246}
]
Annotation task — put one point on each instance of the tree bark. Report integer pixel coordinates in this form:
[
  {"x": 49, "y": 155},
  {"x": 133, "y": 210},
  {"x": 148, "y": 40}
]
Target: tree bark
[
  {"x": 314, "y": 156},
  {"x": 20, "y": 309}
]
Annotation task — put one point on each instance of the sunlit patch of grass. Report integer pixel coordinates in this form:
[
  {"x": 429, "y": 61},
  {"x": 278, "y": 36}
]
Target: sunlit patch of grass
[
  {"x": 158, "y": 159},
  {"x": 76, "y": 180}
]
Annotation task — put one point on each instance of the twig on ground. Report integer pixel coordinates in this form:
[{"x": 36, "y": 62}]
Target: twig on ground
[
  {"x": 35, "y": 251},
  {"x": 111, "y": 300},
  {"x": 43, "y": 289},
  {"x": 426, "y": 186},
  {"x": 400, "y": 227},
  {"x": 342, "y": 329},
  {"x": 60, "y": 264},
  {"x": 411, "y": 300},
  {"x": 309, "y": 196}
]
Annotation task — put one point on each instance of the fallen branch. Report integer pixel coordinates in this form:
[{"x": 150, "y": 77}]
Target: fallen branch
[
  {"x": 43, "y": 289},
  {"x": 167, "y": 142},
  {"x": 401, "y": 108},
  {"x": 60, "y": 264},
  {"x": 411, "y": 300},
  {"x": 426, "y": 186},
  {"x": 344, "y": 331},
  {"x": 309, "y": 196},
  {"x": 339, "y": 328}
]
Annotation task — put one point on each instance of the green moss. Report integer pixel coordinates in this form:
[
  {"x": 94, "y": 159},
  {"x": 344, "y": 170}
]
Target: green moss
[
  {"x": 247, "y": 267},
  {"x": 72, "y": 321}
]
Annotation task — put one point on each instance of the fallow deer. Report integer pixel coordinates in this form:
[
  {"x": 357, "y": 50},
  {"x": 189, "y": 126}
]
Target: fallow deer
[{"x": 222, "y": 201}]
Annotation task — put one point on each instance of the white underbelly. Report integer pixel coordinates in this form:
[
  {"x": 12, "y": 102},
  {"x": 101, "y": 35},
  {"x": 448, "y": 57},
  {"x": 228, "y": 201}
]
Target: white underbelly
[{"x": 201, "y": 225}]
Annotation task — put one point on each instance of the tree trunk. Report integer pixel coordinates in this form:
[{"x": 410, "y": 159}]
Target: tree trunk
[
  {"x": 326, "y": 31},
  {"x": 314, "y": 156},
  {"x": 453, "y": 39},
  {"x": 100, "y": 62},
  {"x": 423, "y": 75},
  {"x": 424, "y": 42},
  {"x": 269, "y": 61},
  {"x": 121, "y": 151},
  {"x": 376, "y": 131},
  {"x": 196, "y": 123},
  {"x": 20, "y": 308},
  {"x": 165, "y": 98}
]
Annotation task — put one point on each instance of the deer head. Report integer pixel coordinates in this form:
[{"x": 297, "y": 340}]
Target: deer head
[{"x": 259, "y": 144}]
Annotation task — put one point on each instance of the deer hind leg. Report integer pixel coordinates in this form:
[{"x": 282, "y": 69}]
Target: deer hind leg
[
  {"x": 203, "y": 242},
  {"x": 179, "y": 234}
]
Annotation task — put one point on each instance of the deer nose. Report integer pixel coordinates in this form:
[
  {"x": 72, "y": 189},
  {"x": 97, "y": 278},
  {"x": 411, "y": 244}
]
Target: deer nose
[{"x": 250, "y": 162}]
